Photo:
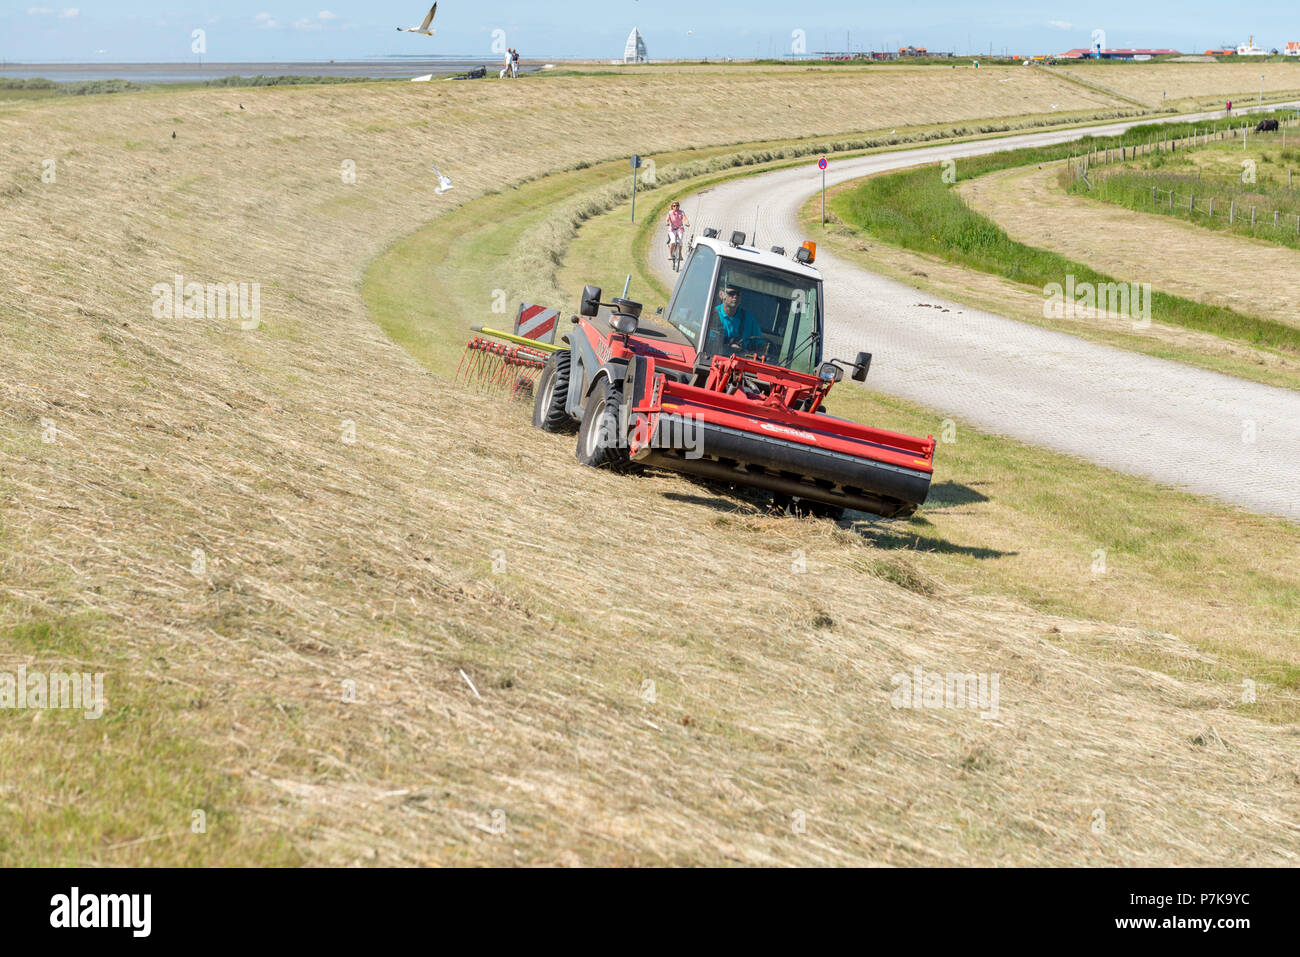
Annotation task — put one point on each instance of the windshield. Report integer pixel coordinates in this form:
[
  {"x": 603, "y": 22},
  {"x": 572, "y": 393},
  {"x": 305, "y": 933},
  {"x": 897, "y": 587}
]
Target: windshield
[
  {"x": 692, "y": 299},
  {"x": 757, "y": 310}
]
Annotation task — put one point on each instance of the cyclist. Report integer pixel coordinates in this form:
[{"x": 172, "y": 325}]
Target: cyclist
[{"x": 676, "y": 223}]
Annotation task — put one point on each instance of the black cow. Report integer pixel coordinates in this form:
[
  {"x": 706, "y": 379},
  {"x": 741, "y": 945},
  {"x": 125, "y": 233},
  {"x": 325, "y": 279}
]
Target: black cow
[{"x": 1266, "y": 126}]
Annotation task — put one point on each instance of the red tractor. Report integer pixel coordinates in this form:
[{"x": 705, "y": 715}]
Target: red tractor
[{"x": 728, "y": 386}]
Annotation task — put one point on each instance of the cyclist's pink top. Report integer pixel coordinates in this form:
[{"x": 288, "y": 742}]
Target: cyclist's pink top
[{"x": 675, "y": 218}]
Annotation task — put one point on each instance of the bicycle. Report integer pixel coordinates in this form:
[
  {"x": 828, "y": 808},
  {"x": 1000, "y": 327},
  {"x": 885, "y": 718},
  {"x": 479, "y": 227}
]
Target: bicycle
[{"x": 675, "y": 255}]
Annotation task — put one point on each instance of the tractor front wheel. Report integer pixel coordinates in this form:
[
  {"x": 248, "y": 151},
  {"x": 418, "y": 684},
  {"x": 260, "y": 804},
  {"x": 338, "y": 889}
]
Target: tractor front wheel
[
  {"x": 600, "y": 439},
  {"x": 549, "y": 413}
]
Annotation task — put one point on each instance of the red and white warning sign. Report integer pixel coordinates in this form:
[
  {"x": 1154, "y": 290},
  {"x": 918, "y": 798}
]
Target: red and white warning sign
[{"x": 537, "y": 323}]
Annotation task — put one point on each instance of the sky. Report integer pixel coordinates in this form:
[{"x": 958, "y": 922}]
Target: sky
[{"x": 250, "y": 30}]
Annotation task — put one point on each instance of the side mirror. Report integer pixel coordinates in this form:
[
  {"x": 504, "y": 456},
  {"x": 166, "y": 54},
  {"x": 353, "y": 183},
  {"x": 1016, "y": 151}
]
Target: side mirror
[
  {"x": 861, "y": 366},
  {"x": 590, "y": 304}
]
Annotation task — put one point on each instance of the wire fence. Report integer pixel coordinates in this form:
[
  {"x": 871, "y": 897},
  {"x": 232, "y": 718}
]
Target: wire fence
[
  {"x": 1218, "y": 132},
  {"x": 1231, "y": 210},
  {"x": 1234, "y": 210}
]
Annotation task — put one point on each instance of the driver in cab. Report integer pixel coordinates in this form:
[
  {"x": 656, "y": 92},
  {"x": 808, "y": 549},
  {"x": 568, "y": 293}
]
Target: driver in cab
[{"x": 739, "y": 330}]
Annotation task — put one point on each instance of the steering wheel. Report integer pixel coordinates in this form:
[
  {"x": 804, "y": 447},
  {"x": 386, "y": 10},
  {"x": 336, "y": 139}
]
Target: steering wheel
[{"x": 761, "y": 346}]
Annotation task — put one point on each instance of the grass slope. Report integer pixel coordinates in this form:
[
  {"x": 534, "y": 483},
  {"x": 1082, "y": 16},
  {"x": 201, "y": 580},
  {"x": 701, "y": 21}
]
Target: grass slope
[{"x": 375, "y": 538}]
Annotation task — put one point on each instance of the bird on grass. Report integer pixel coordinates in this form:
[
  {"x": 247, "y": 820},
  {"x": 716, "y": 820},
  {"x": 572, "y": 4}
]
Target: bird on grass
[
  {"x": 444, "y": 183},
  {"x": 173, "y": 134},
  {"x": 423, "y": 27}
]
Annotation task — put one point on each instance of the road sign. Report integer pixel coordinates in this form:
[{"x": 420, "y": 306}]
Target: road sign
[
  {"x": 821, "y": 165},
  {"x": 636, "y": 164}
]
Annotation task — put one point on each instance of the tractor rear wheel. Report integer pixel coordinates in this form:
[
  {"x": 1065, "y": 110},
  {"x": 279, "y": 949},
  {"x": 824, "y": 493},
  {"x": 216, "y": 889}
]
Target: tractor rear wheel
[
  {"x": 600, "y": 440},
  {"x": 549, "y": 414}
]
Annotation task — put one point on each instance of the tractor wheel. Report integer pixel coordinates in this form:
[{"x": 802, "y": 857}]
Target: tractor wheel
[
  {"x": 552, "y": 392},
  {"x": 600, "y": 441}
]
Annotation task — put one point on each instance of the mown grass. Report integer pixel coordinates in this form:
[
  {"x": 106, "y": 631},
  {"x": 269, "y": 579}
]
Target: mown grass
[
  {"x": 1000, "y": 521},
  {"x": 917, "y": 210},
  {"x": 170, "y": 801},
  {"x": 1213, "y": 175}
]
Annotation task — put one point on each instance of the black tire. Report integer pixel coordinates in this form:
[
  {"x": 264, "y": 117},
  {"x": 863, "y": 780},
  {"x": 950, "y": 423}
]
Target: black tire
[
  {"x": 601, "y": 443},
  {"x": 552, "y": 392}
]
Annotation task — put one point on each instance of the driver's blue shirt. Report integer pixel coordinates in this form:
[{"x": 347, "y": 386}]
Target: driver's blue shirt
[{"x": 740, "y": 326}]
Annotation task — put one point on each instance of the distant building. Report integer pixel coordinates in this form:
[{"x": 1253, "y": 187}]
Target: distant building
[
  {"x": 1292, "y": 48},
  {"x": 634, "y": 51},
  {"x": 1082, "y": 53}
]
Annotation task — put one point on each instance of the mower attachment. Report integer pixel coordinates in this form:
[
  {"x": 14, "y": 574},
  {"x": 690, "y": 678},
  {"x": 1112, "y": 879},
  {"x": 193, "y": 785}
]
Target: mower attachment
[{"x": 761, "y": 425}]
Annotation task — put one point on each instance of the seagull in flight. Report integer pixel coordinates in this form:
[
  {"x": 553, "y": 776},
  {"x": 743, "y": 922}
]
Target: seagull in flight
[
  {"x": 423, "y": 27},
  {"x": 444, "y": 183}
]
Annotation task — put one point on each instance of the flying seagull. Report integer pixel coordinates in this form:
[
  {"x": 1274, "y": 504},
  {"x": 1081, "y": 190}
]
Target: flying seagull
[
  {"x": 423, "y": 27},
  {"x": 444, "y": 183}
]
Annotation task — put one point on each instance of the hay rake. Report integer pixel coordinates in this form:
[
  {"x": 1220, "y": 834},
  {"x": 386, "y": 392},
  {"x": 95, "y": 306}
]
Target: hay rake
[{"x": 500, "y": 367}]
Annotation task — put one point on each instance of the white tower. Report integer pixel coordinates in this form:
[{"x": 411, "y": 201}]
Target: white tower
[{"x": 634, "y": 52}]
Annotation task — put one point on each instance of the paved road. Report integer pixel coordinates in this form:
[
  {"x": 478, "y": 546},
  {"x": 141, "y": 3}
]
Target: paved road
[{"x": 1181, "y": 426}]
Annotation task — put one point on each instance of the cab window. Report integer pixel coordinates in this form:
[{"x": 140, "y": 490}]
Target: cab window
[{"x": 687, "y": 312}]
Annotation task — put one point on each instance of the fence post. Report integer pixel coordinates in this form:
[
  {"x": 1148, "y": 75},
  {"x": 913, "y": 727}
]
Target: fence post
[
  {"x": 1232, "y": 211},
  {"x": 1211, "y": 213},
  {"x": 1192, "y": 205},
  {"x": 1252, "y": 215},
  {"x": 1153, "y": 195},
  {"x": 1275, "y": 219},
  {"x": 1171, "y": 199}
]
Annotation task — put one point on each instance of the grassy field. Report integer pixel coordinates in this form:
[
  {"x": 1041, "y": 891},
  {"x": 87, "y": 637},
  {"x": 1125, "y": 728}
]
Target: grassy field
[
  {"x": 1191, "y": 86},
  {"x": 1213, "y": 187},
  {"x": 355, "y": 613},
  {"x": 917, "y": 210},
  {"x": 1180, "y": 258},
  {"x": 1032, "y": 565}
]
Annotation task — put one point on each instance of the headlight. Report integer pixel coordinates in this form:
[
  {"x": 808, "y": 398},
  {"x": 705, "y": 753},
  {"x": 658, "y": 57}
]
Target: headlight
[
  {"x": 621, "y": 322},
  {"x": 829, "y": 372}
]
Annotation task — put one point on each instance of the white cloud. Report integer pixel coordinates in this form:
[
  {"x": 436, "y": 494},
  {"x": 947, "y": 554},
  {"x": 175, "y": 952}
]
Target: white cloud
[
  {"x": 266, "y": 20},
  {"x": 39, "y": 11},
  {"x": 70, "y": 14},
  {"x": 326, "y": 15},
  {"x": 306, "y": 24},
  {"x": 1060, "y": 24}
]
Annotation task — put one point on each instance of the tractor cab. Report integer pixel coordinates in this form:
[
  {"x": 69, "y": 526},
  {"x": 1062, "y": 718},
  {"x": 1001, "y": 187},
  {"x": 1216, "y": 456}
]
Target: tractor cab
[{"x": 733, "y": 299}]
